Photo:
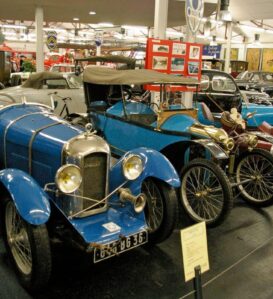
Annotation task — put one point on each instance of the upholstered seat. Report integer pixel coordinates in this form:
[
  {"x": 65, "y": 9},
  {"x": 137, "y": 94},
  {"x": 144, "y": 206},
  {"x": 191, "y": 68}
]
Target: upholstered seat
[{"x": 207, "y": 112}]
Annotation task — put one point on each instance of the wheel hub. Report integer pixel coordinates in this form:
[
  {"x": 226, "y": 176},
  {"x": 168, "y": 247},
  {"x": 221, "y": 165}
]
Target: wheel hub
[{"x": 202, "y": 193}]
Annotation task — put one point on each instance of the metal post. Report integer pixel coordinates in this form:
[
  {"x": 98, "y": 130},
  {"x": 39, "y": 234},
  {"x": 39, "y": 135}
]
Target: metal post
[
  {"x": 197, "y": 283},
  {"x": 228, "y": 48},
  {"x": 39, "y": 19}
]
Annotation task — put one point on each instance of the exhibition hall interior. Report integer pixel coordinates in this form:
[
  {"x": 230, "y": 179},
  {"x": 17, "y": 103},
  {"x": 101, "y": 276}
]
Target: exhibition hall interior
[{"x": 136, "y": 149}]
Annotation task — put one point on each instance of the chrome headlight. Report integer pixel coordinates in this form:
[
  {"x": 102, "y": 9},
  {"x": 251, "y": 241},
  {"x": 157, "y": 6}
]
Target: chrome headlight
[
  {"x": 68, "y": 178},
  {"x": 132, "y": 167}
]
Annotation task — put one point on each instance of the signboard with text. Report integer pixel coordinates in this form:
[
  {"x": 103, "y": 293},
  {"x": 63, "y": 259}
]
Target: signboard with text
[{"x": 174, "y": 57}]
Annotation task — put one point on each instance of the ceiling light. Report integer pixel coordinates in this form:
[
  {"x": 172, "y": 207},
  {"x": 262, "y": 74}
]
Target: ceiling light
[
  {"x": 175, "y": 33},
  {"x": 54, "y": 29},
  {"x": 105, "y": 24},
  {"x": 92, "y": 13},
  {"x": 257, "y": 29},
  {"x": 14, "y": 26},
  {"x": 76, "y": 19}
]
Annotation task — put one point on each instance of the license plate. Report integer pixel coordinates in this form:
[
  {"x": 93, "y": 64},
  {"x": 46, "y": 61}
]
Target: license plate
[{"x": 120, "y": 246}]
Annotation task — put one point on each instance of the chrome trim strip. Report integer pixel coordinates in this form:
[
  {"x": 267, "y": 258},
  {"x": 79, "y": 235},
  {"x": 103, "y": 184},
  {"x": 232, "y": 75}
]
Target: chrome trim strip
[
  {"x": 12, "y": 123},
  {"x": 32, "y": 140}
]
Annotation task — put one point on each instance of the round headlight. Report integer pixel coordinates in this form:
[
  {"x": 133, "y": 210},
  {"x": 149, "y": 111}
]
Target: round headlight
[
  {"x": 132, "y": 167},
  {"x": 68, "y": 178}
]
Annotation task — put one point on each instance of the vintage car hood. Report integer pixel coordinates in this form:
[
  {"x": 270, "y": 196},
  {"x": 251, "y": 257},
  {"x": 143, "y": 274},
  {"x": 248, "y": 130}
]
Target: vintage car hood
[{"x": 32, "y": 139}]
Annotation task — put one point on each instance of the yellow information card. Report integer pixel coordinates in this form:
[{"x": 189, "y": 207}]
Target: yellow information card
[{"x": 194, "y": 249}]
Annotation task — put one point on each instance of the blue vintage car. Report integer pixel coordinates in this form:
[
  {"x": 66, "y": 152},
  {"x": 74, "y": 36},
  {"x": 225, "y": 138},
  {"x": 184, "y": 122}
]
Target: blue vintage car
[
  {"x": 196, "y": 151},
  {"x": 57, "y": 183}
]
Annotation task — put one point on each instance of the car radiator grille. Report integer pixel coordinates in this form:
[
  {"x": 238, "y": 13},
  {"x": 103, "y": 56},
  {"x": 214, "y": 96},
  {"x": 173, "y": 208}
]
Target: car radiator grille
[{"x": 94, "y": 178}]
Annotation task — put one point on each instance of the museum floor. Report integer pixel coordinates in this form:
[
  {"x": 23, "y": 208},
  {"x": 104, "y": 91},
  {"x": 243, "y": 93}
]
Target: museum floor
[{"x": 241, "y": 260}]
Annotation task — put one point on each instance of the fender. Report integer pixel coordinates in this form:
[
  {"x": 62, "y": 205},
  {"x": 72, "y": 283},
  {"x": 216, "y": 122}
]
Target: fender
[
  {"x": 30, "y": 199},
  {"x": 154, "y": 165},
  {"x": 215, "y": 149}
]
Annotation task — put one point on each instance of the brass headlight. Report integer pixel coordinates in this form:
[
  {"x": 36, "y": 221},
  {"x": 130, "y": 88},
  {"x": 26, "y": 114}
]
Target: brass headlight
[
  {"x": 218, "y": 135},
  {"x": 132, "y": 167},
  {"x": 68, "y": 178},
  {"x": 252, "y": 140}
]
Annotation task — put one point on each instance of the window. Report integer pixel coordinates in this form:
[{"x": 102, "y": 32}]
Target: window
[
  {"x": 223, "y": 84},
  {"x": 204, "y": 83},
  {"x": 56, "y": 84},
  {"x": 255, "y": 77}
]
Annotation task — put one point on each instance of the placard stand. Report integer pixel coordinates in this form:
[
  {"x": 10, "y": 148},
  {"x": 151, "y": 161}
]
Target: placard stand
[{"x": 197, "y": 283}]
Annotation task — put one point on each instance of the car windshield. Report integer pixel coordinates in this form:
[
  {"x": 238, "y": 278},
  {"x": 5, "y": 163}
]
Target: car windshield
[
  {"x": 74, "y": 81},
  {"x": 223, "y": 84},
  {"x": 243, "y": 75},
  {"x": 268, "y": 77}
]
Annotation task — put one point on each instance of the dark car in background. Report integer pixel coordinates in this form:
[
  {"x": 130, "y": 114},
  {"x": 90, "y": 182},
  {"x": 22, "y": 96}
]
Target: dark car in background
[{"x": 261, "y": 81}]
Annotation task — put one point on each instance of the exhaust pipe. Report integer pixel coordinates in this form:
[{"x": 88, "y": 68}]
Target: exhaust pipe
[{"x": 138, "y": 201}]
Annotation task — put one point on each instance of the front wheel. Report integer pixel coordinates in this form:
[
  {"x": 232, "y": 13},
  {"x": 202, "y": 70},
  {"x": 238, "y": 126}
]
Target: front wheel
[
  {"x": 28, "y": 247},
  {"x": 161, "y": 209},
  {"x": 254, "y": 171},
  {"x": 206, "y": 193}
]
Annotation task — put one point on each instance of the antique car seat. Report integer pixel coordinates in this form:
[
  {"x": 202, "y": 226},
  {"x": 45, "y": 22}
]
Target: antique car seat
[{"x": 207, "y": 112}]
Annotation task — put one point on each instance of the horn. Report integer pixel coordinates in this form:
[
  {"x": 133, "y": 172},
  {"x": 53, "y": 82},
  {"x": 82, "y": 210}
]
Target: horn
[{"x": 139, "y": 201}]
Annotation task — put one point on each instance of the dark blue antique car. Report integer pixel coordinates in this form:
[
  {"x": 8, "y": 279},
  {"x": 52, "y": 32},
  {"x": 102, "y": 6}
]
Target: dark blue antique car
[
  {"x": 57, "y": 183},
  {"x": 196, "y": 151}
]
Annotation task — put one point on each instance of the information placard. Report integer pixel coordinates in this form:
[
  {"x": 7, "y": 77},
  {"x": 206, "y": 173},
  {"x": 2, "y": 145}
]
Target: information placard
[{"x": 194, "y": 249}]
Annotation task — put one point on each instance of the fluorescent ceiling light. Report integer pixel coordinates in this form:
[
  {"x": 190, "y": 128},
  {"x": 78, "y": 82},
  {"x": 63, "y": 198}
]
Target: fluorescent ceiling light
[
  {"x": 92, "y": 13},
  {"x": 105, "y": 25},
  {"x": 14, "y": 26},
  {"x": 257, "y": 29},
  {"x": 176, "y": 33},
  {"x": 54, "y": 29}
]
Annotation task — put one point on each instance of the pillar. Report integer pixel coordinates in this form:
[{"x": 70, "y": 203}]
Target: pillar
[
  {"x": 228, "y": 48},
  {"x": 160, "y": 18},
  {"x": 39, "y": 19}
]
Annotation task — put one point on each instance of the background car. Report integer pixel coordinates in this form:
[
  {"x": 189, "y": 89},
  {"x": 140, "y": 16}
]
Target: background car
[
  {"x": 47, "y": 86},
  {"x": 260, "y": 81}
]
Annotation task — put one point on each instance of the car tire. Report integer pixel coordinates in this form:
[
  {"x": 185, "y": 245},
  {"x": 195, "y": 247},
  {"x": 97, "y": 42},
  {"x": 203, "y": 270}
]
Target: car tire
[
  {"x": 161, "y": 209},
  {"x": 28, "y": 248},
  {"x": 212, "y": 200},
  {"x": 259, "y": 164}
]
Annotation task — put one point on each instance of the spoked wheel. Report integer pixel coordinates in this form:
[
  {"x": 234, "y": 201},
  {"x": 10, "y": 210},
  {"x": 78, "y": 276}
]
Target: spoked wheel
[
  {"x": 255, "y": 173},
  {"x": 28, "y": 246},
  {"x": 205, "y": 192},
  {"x": 161, "y": 209}
]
